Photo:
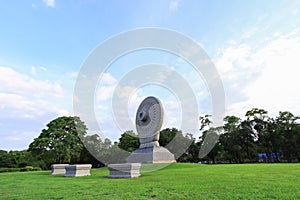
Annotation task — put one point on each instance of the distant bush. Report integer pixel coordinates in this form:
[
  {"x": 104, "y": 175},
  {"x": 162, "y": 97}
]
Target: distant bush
[
  {"x": 30, "y": 168},
  {"x": 9, "y": 170},
  {"x": 24, "y": 169},
  {"x": 36, "y": 169}
]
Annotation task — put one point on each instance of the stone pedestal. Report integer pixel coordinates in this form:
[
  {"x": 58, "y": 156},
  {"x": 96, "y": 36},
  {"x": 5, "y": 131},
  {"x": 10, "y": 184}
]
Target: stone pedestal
[
  {"x": 58, "y": 169},
  {"x": 154, "y": 154},
  {"x": 78, "y": 170},
  {"x": 125, "y": 170}
]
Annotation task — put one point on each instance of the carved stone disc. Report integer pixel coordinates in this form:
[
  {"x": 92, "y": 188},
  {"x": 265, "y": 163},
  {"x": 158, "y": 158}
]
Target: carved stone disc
[{"x": 149, "y": 117}]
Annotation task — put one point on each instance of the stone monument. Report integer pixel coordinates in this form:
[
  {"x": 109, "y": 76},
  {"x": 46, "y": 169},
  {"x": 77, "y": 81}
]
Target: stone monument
[
  {"x": 149, "y": 118},
  {"x": 78, "y": 170},
  {"x": 125, "y": 170},
  {"x": 58, "y": 169}
]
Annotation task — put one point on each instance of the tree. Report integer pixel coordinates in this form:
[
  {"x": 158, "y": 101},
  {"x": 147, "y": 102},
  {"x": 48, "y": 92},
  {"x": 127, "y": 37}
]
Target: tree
[
  {"x": 210, "y": 146},
  {"x": 60, "y": 142},
  {"x": 167, "y": 135},
  {"x": 209, "y": 140},
  {"x": 129, "y": 141},
  {"x": 100, "y": 152},
  {"x": 229, "y": 140},
  {"x": 288, "y": 130},
  {"x": 262, "y": 126},
  {"x": 6, "y": 159},
  {"x": 91, "y": 150},
  {"x": 192, "y": 154},
  {"x": 204, "y": 122}
]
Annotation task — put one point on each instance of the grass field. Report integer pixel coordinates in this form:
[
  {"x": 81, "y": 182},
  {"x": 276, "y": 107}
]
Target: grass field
[{"x": 177, "y": 181}]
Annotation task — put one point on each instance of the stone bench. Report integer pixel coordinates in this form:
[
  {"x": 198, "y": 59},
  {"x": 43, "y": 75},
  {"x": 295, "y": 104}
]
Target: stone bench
[
  {"x": 78, "y": 170},
  {"x": 58, "y": 169},
  {"x": 125, "y": 170}
]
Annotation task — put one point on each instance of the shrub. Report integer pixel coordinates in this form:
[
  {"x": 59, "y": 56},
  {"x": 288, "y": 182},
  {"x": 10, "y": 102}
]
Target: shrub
[
  {"x": 9, "y": 170},
  {"x": 27, "y": 168},
  {"x": 36, "y": 169},
  {"x": 24, "y": 169}
]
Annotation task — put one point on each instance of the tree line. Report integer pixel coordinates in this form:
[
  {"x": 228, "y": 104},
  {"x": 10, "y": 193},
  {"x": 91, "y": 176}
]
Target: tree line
[{"x": 257, "y": 138}]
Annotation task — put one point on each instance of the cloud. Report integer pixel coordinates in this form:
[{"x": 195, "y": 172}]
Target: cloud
[
  {"x": 250, "y": 32},
  {"x": 276, "y": 89},
  {"x": 264, "y": 76},
  {"x": 33, "y": 70},
  {"x": 50, "y": 3},
  {"x": 23, "y": 96},
  {"x": 108, "y": 85},
  {"x": 105, "y": 93},
  {"x": 72, "y": 74},
  {"x": 26, "y": 105},
  {"x": 108, "y": 79},
  {"x": 174, "y": 5},
  {"x": 14, "y": 82}
]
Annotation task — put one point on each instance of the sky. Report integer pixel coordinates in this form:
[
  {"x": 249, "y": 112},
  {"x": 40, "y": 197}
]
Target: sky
[{"x": 255, "y": 46}]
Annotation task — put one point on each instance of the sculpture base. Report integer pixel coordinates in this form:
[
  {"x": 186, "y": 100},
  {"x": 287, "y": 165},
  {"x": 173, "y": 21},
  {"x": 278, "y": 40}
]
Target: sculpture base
[
  {"x": 78, "y": 170},
  {"x": 124, "y": 170},
  {"x": 151, "y": 155},
  {"x": 58, "y": 169}
]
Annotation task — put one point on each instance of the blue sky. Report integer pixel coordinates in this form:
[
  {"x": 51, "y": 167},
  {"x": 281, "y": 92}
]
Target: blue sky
[{"x": 255, "y": 46}]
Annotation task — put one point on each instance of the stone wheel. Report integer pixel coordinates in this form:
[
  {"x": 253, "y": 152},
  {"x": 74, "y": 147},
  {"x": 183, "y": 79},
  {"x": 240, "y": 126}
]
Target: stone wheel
[{"x": 149, "y": 118}]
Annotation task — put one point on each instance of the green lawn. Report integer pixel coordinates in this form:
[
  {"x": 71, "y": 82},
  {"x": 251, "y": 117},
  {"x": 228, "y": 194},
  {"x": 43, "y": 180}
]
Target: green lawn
[{"x": 177, "y": 181}]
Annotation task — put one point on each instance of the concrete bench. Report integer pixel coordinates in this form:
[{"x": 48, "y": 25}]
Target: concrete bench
[
  {"x": 125, "y": 170},
  {"x": 58, "y": 169},
  {"x": 78, "y": 170}
]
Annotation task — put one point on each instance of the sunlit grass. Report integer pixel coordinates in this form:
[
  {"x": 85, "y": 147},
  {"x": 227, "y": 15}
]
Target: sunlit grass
[{"x": 176, "y": 181}]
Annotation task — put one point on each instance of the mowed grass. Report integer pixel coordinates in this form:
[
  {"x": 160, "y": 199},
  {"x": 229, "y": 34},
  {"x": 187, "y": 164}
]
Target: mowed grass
[{"x": 176, "y": 181}]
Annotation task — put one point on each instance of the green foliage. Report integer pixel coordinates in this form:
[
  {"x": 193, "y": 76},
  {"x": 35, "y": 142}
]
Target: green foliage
[
  {"x": 129, "y": 141},
  {"x": 205, "y": 121},
  {"x": 23, "y": 169},
  {"x": 15, "y": 159},
  {"x": 177, "y": 181},
  {"x": 91, "y": 150},
  {"x": 30, "y": 168},
  {"x": 9, "y": 170},
  {"x": 99, "y": 153},
  {"x": 167, "y": 135},
  {"x": 242, "y": 140},
  {"x": 239, "y": 141},
  {"x": 60, "y": 141},
  {"x": 27, "y": 168}
]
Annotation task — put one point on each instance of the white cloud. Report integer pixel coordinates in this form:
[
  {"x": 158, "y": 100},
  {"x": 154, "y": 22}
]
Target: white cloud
[
  {"x": 26, "y": 105},
  {"x": 278, "y": 86},
  {"x": 50, "y": 3},
  {"x": 108, "y": 79},
  {"x": 43, "y": 68},
  {"x": 14, "y": 82},
  {"x": 250, "y": 32},
  {"x": 102, "y": 107},
  {"x": 23, "y": 96},
  {"x": 108, "y": 85},
  {"x": 265, "y": 76},
  {"x": 173, "y": 114},
  {"x": 33, "y": 70},
  {"x": 104, "y": 93},
  {"x": 236, "y": 57},
  {"x": 173, "y": 5},
  {"x": 15, "y": 102},
  {"x": 72, "y": 74}
]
